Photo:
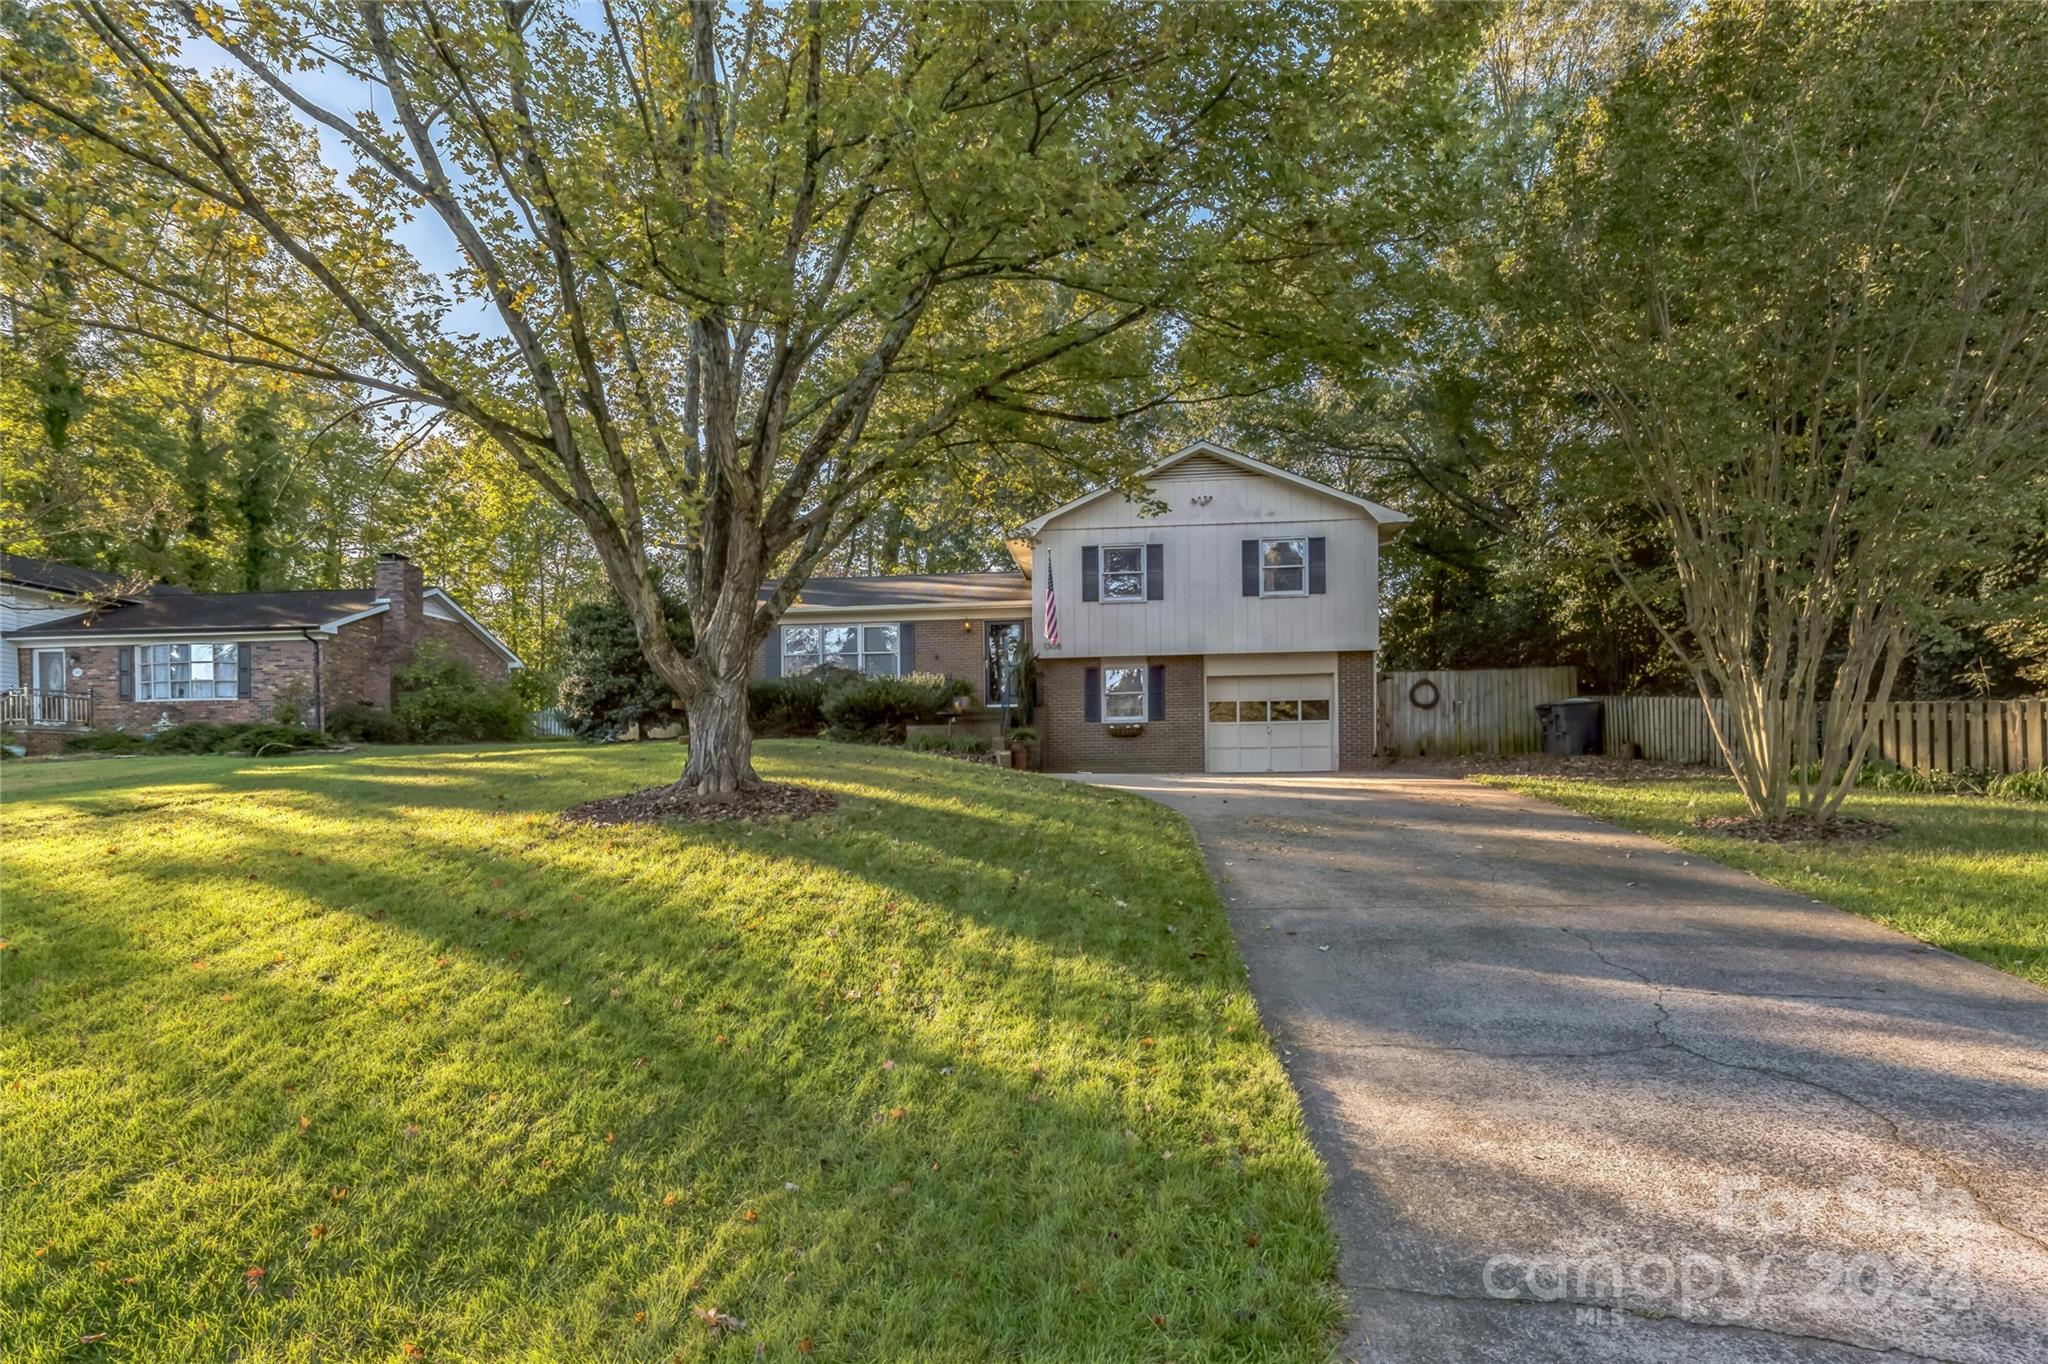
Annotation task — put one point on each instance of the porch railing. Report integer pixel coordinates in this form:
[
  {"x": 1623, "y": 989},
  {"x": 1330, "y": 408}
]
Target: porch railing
[{"x": 58, "y": 709}]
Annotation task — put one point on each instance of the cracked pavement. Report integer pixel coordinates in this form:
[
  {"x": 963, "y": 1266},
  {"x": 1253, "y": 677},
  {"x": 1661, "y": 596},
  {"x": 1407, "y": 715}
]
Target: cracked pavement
[{"x": 1584, "y": 1096}]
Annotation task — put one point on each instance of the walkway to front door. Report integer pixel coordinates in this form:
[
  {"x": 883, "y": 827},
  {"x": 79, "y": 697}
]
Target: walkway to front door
[{"x": 1584, "y": 1098}]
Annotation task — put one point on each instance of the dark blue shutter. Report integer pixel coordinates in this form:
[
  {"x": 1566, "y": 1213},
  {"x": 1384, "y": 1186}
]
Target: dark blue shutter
[
  {"x": 1091, "y": 703},
  {"x": 906, "y": 647},
  {"x": 1155, "y": 692},
  {"x": 245, "y": 668},
  {"x": 1251, "y": 566},
  {"x": 1318, "y": 574},
  {"x": 1155, "y": 572},
  {"x": 1091, "y": 573},
  {"x": 124, "y": 673},
  {"x": 771, "y": 654}
]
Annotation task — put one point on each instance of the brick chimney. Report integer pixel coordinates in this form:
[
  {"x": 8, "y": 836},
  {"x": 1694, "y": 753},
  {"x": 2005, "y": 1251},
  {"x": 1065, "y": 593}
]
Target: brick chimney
[{"x": 400, "y": 582}]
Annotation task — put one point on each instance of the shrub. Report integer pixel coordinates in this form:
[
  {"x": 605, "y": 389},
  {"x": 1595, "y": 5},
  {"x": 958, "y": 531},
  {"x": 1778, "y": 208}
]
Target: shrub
[
  {"x": 193, "y": 738},
  {"x": 293, "y": 700},
  {"x": 259, "y": 740},
  {"x": 440, "y": 699},
  {"x": 254, "y": 739},
  {"x": 1024, "y": 734},
  {"x": 2018, "y": 786},
  {"x": 875, "y": 710},
  {"x": 105, "y": 741},
  {"x": 947, "y": 743},
  {"x": 355, "y": 723},
  {"x": 785, "y": 707},
  {"x": 608, "y": 687}
]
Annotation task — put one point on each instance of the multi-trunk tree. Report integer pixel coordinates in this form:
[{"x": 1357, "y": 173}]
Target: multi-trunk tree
[
  {"x": 751, "y": 271},
  {"x": 1786, "y": 283}
]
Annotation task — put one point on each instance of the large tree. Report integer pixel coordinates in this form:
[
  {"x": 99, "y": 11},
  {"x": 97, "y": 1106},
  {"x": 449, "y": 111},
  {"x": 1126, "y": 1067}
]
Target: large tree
[
  {"x": 1786, "y": 286},
  {"x": 752, "y": 271}
]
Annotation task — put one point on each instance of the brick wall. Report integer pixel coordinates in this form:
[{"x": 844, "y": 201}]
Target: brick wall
[
  {"x": 1070, "y": 742},
  {"x": 461, "y": 641},
  {"x": 1357, "y": 724},
  {"x": 274, "y": 665},
  {"x": 937, "y": 646},
  {"x": 351, "y": 667}
]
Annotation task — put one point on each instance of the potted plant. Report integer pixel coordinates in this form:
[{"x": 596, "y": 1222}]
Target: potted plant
[{"x": 1024, "y": 748}]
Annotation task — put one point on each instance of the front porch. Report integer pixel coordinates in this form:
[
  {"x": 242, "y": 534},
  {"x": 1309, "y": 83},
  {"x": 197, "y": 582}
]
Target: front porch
[{"x": 40, "y": 720}]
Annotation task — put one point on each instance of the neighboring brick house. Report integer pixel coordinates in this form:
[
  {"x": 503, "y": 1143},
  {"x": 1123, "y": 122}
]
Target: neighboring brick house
[
  {"x": 167, "y": 656},
  {"x": 1227, "y": 622}
]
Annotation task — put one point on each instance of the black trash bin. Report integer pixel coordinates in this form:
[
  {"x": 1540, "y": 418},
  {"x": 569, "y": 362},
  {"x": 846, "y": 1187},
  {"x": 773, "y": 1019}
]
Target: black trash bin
[{"x": 1573, "y": 726}]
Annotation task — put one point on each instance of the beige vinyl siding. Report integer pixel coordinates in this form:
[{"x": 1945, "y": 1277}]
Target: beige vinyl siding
[
  {"x": 21, "y": 607},
  {"x": 1204, "y": 611}
]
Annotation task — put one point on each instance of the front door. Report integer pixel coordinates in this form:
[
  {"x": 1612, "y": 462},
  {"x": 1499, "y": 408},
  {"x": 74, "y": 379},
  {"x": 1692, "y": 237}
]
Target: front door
[
  {"x": 48, "y": 687},
  {"x": 999, "y": 687}
]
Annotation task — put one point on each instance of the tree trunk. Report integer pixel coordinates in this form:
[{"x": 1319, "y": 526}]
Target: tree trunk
[{"x": 721, "y": 743}]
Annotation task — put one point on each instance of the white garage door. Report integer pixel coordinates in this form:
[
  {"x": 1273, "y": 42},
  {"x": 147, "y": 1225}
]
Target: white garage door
[{"x": 1273, "y": 724}]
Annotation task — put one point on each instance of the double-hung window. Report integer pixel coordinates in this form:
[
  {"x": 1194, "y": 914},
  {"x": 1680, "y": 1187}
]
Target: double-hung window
[
  {"x": 1283, "y": 568},
  {"x": 1123, "y": 695},
  {"x": 187, "y": 672},
  {"x": 871, "y": 649},
  {"x": 1123, "y": 573}
]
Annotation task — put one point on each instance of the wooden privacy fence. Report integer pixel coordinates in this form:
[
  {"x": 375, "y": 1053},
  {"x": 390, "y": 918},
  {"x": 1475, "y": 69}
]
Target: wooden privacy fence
[
  {"x": 1493, "y": 711},
  {"x": 1931, "y": 736},
  {"x": 1952, "y": 736},
  {"x": 1666, "y": 729},
  {"x": 1472, "y": 710}
]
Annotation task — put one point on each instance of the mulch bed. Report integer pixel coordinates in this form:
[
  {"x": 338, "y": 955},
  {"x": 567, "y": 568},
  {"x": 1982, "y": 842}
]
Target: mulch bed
[
  {"x": 669, "y": 805},
  {"x": 1589, "y": 768},
  {"x": 1797, "y": 828}
]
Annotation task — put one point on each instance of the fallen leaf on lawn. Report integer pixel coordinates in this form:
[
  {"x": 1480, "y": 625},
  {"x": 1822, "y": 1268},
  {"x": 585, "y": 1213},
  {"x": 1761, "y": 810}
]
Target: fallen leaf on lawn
[
  {"x": 412, "y": 1129},
  {"x": 804, "y": 1346},
  {"x": 668, "y": 1200},
  {"x": 1251, "y": 1238},
  {"x": 199, "y": 964},
  {"x": 319, "y": 1230},
  {"x": 339, "y": 1192},
  {"x": 1159, "y": 1321},
  {"x": 304, "y": 1122},
  {"x": 413, "y": 1351},
  {"x": 610, "y": 1137},
  {"x": 1087, "y": 1287},
  {"x": 719, "y": 1322},
  {"x": 719, "y": 1040},
  {"x": 896, "y": 1113},
  {"x": 750, "y": 1216},
  {"x": 888, "y": 1065},
  {"x": 1148, "y": 1042},
  {"x": 252, "y": 1278},
  {"x": 640, "y": 1318}
]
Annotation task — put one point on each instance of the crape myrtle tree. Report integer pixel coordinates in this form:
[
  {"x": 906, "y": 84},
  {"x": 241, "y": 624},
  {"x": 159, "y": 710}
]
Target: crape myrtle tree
[
  {"x": 750, "y": 270},
  {"x": 1785, "y": 284}
]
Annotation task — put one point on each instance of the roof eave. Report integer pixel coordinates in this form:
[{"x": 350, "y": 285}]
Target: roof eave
[{"x": 1380, "y": 515}]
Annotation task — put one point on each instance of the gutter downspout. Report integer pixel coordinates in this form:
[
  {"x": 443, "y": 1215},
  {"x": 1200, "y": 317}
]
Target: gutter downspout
[{"x": 319, "y": 703}]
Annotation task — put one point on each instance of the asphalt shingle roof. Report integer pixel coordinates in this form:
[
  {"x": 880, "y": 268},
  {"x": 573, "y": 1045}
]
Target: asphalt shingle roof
[
  {"x": 214, "y": 611},
  {"x": 916, "y": 589},
  {"x": 48, "y": 573}
]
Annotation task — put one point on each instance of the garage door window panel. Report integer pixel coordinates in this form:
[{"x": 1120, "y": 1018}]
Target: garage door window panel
[{"x": 1315, "y": 710}]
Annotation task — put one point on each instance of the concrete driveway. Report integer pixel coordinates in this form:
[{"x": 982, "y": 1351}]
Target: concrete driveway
[{"x": 1585, "y": 1098}]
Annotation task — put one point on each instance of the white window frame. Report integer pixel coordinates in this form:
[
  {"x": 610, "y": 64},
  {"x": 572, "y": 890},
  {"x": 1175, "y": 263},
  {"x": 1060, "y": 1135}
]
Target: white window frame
[
  {"x": 1266, "y": 568},
  {"x": 146, "y": 681},
  {"x": 1144, "y": 675},
  {"x": 1102, "y": 571},
  {"x": 861, "y": 652}
]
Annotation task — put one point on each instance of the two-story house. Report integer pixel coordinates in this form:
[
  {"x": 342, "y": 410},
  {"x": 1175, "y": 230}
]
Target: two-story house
[{"x": 1225, "y": 622}]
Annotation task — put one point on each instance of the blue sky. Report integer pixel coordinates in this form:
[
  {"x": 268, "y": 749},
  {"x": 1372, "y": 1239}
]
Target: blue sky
[{"x": 423, "y": 234}]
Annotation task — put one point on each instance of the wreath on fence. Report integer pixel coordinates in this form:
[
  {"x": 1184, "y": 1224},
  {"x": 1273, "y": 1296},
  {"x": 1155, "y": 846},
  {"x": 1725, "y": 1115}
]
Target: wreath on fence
[{"x": 1424, "y": 695}]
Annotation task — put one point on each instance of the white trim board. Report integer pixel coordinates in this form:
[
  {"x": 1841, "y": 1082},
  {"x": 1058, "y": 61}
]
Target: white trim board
[{"x": 1381, "y": 515}]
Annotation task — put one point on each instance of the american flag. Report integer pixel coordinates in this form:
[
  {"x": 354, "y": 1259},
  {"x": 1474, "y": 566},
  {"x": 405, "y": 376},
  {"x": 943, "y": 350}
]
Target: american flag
[{"x": 1052, "y": 610}]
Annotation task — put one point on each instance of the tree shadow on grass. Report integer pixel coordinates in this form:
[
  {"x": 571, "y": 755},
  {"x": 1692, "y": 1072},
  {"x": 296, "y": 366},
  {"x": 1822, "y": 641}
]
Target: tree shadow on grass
[{"x": 514, "y": 1042}]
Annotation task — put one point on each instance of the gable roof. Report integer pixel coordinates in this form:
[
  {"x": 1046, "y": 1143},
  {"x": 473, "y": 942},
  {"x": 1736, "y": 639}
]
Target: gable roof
[
  {"x": 1210, "y": 450},
  {"x": 173, "y": 612},
  {"x": 168, "y": 612},
  {"x": 912, "y": 589},
  {"x": 51, "y": 576}
]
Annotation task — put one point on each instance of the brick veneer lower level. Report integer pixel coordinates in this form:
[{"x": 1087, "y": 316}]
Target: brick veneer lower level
[{"x": 1070, "y": 742}]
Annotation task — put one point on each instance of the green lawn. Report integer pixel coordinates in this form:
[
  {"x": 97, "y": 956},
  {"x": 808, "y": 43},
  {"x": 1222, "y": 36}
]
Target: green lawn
[
  {"x": 370, "y": 1057},
  {"x": 1962, "y": 872}
]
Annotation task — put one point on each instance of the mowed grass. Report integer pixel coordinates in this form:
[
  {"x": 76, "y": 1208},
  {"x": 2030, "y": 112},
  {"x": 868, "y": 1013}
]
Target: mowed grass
[
  {"x": 1963, "y": 872},
  {"x": 371, "y": 1057}
]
